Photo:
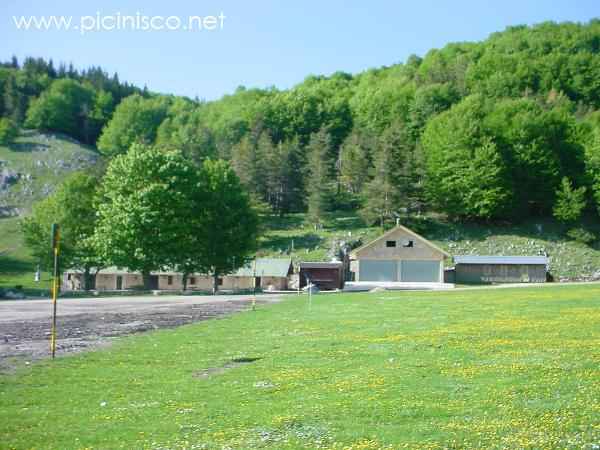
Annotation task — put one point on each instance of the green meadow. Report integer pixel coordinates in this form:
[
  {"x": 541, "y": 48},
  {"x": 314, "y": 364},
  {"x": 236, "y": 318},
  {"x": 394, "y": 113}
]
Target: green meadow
[{"x": 480, "y": 368}]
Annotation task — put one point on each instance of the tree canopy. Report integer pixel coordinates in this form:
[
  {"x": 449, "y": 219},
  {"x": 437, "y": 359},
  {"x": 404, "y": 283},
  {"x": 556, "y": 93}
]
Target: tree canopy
[{"x": 143, "y": 209}]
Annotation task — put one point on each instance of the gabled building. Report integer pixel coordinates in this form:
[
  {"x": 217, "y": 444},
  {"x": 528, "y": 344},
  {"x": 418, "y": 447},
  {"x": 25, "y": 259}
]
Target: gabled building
[{"x": 398, "y": 256}]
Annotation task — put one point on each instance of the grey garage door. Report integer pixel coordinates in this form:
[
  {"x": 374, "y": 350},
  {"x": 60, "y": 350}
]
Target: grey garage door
[
  {"x": 378, "y": 270},
  {"x": 420, "y": 271}
]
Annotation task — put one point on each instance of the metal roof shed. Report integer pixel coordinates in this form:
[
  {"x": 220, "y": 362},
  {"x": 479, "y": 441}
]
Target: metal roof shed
[
  {"x": 500, "y": 269},
  {"x": 471, "y": 259}
]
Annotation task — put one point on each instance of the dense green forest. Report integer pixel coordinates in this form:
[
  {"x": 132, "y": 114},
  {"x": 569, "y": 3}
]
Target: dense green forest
[{"x": 505, "y": 128}]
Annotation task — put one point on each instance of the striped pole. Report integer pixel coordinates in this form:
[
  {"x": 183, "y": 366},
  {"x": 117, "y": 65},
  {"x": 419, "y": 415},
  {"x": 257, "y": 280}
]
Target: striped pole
[{"x": 55, "y": 284}]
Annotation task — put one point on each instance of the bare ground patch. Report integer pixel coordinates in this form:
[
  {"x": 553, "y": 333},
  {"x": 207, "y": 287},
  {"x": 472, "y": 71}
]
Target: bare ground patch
[{"x": 25, "y": 341}]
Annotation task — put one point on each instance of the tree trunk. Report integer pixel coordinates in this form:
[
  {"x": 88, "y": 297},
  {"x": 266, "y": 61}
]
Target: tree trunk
[
  {"x": 86, "y": 278},
  {"x": 184, "y": 278},
  {"x": 146, "y": 280},
  {"x": 215, "y": 282}
]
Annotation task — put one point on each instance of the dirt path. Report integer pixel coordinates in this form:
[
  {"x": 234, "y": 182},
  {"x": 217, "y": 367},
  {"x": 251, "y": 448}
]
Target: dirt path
[{"x": 94, "y": 322}]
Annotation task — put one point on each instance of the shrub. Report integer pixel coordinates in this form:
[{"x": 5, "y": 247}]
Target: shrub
[
  {"x": 581, "y": 235},
  {"x": 137, "y": 287},
  {"x": 8, "y": 130}
]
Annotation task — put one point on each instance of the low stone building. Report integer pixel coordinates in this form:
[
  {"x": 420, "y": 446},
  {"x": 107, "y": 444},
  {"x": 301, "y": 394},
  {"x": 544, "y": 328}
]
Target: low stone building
[
  {"x": 264, "y": 273},
  {"x": 107, "y": 279}
]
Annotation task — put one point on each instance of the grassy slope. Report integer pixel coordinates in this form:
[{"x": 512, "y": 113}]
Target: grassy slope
[
  {"x": 17, "y": 266},
  {"x": 471, "y": 369},
  {"x": 43, "y": 160}
]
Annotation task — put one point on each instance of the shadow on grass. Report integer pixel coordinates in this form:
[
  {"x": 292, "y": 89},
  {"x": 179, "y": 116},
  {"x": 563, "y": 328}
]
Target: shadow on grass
[
  {"x": 287, "y": 222},
  {"x": 345, "y": 223},
  {"x": 14, "y": 266},
  {"x": 28, "y": 147}
]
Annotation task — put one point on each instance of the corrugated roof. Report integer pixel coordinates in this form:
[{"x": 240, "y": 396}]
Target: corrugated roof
[
  {"x": 321, "y": 265},
  {"x": 265, "y": 267},
  {"x": 112, "y": 270},
  {"x": 472, "y": 259}
]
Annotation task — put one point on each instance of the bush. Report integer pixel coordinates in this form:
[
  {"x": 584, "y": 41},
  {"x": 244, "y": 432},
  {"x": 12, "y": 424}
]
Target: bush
[
  {"x": 137, "y": 287},
  {"x": 8, "y": 130},
  {"x": 581, "y": 235}
]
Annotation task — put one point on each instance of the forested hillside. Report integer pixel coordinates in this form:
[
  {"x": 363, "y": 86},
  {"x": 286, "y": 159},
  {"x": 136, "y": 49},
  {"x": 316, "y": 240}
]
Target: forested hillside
[
  {"x": 499, "y": 129},
  {"x": 503, "y": 129}
]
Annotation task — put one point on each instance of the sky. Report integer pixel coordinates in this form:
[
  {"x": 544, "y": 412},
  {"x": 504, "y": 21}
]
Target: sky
[{"x": 258, "y": 43}]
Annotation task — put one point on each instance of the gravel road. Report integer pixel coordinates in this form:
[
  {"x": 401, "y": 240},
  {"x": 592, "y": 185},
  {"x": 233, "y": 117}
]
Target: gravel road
[{"x": 88, "y": 323}]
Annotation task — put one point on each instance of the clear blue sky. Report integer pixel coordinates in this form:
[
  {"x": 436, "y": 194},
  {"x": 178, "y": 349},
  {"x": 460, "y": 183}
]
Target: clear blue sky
[{"x": 267, "y": 42}]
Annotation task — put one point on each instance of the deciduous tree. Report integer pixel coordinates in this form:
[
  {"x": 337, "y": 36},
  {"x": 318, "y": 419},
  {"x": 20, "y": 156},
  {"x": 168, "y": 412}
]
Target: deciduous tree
[
  {"x": 144, "y": 211},
  {"x": 466, "y": 174},
  {"x": 223, "y": 228},
  {"x": 135, "y": 120},
  {"x": 72, "y": 207}
]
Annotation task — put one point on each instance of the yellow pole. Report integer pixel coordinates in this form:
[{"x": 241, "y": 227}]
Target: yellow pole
[
  {"x": 55, "y": 285},
  {"x": 254, "y": 290}
]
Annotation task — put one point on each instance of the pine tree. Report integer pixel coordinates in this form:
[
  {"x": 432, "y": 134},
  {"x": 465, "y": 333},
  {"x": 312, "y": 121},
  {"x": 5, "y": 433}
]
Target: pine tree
[
  {"x": 570, "y": 202},
  {"x": 249, "y": 161},
  {"x": 395, "y": 187},
  {"x": 381, "y": 196},
  {"x": 408, "y": 165},
  {"x": 284, "y": 177},
  {"x": 354, "y": 162},
  {"x": 14, "y": 100},
  {"x": 319, "y": 175}
]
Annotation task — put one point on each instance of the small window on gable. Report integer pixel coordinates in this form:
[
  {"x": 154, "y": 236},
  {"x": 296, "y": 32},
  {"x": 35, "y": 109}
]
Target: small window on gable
[
  {"x": 390, "y": 244},
  {"x": 408, "y": 244}
]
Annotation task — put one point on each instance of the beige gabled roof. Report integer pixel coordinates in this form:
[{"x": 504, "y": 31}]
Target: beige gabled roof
[{"x": 389, "y": 232}]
